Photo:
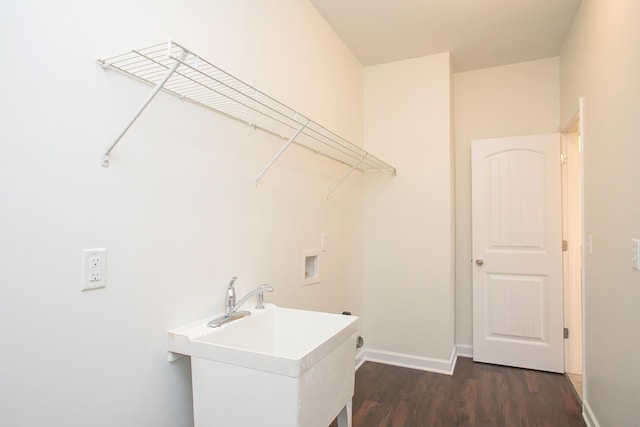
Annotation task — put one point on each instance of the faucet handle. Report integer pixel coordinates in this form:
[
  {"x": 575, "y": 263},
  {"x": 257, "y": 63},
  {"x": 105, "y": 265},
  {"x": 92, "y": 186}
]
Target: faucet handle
[
  {"x": 232, "y": 281},
  {"x": 231, "y": 291},
  {"x": 230, "y": 297}
]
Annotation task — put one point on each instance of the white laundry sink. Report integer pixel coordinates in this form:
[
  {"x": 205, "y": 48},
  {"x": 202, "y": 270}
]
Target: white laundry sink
[{"x": 277, "y": 367}]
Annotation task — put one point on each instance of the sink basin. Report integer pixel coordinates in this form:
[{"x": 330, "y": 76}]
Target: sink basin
[
  {"x": 291, "y": 367},
  {"x": 280, "y": 340}
]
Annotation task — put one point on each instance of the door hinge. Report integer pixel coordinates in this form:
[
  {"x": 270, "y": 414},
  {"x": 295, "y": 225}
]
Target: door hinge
[
  {"x": 565, "y": 246},
  {"x": 563, "y": 159},
  {"x": 566, "y": 333}
]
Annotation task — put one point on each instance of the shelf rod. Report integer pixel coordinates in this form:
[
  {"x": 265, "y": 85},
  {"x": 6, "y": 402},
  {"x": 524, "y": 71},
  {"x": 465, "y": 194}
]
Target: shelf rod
[
  {"x": 159, "y": 86},
  {"x": 345, "y": 176},
  {"x": 282, "y": 150}
]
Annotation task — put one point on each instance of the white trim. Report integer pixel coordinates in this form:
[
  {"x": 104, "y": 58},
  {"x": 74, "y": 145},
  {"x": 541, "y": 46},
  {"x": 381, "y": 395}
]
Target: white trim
[
  {"x": 579, "y": 115},
  {"x": 570, "y": 124},
  {"x": 587, "y": 415},
  {"x": 464, "y": 350},
  {"x": 440, "y": 366},
  {"x": 583, "y": 260}
]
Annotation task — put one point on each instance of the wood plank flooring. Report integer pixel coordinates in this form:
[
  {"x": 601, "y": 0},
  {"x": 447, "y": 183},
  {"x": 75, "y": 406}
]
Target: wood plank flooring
[{"x": 476, "y": 395}]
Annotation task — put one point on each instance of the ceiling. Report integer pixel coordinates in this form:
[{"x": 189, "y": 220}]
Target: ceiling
[{"x": 478, "y": 33}]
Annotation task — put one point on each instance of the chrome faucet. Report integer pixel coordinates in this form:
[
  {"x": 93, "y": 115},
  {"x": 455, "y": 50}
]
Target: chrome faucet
[
  {"x": 230, "y": 297},
  {"x": 260, "y": 304},
  {"x": 231, "y": 307}
]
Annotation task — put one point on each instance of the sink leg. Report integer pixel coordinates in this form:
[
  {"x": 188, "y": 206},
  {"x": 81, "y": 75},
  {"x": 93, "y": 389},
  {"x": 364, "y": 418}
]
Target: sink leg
[{"x": 344, "y": 417}]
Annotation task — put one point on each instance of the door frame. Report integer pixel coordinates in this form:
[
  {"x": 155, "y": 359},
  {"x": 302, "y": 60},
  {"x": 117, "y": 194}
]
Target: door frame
[
  {"x": 578, "y": 117},
  {"x": 572, "y": 252}
]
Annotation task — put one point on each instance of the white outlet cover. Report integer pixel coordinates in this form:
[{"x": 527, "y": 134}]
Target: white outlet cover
[{"x": 94, "y": 269}]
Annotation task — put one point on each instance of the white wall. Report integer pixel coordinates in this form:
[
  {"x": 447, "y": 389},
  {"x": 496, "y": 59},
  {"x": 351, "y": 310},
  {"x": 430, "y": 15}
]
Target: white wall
[
  {"x": 511, "y": 100},
  {"x": 177, "y": 209},
  {"x": 408, "y": 219},
  {"x": 598, "y": 62}
]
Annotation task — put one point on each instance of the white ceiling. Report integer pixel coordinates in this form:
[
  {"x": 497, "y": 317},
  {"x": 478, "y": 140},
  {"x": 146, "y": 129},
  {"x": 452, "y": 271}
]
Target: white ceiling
[{"x": 478, "y": 33}]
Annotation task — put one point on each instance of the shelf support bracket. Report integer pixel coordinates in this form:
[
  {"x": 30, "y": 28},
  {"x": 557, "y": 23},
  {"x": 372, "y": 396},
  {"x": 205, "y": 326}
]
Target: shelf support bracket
[
  {"x": 282, "y": 150},
  {"x": 159, "y": 86},
  {"x": 345, "y": 176}
]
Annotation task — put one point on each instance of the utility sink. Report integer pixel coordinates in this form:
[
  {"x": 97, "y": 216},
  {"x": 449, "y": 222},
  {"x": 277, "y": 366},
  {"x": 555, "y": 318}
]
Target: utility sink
[{"x": 277, "y": 367}]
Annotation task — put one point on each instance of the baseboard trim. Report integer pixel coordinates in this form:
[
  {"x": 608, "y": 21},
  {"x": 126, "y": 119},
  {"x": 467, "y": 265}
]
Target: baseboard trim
[
  {"x": 440, "y": 366},
  {"x": 464, "y": 350},
  {"x": 587, "y": 415}
]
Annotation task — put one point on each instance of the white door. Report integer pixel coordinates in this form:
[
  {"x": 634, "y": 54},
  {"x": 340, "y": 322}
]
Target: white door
[{"x": 517, "y": 252}]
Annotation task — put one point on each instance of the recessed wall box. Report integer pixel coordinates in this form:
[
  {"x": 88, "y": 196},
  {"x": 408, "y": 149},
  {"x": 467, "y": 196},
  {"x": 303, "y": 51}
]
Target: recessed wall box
[{"x": 311, "y": 267}]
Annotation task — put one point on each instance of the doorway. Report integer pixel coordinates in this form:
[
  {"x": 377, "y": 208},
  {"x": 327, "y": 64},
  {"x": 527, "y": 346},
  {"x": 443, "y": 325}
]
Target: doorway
[
  {"x": 572, "y": 261},
  {"x": 572, "y": 264}
]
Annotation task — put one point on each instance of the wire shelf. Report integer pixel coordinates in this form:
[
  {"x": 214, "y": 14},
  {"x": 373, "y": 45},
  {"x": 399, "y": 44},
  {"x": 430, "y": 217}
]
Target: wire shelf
[{"x": 194, "y": 79}]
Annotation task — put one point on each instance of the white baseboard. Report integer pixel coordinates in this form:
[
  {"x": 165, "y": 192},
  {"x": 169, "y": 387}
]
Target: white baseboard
[
  {"x": 440, "y": 366},
  {"x": 587, "y": 415},
  {"x": 464, "y": 350}
]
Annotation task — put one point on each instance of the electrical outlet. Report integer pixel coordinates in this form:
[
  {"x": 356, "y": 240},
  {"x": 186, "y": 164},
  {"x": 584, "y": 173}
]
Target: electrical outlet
[{"x": 94, "y": 269}]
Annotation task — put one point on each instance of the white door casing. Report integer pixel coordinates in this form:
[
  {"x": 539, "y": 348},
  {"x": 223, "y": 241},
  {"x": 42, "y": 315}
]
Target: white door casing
[
  {"x": 517, "y": 252},
  {"x": 572, "y": 257}
]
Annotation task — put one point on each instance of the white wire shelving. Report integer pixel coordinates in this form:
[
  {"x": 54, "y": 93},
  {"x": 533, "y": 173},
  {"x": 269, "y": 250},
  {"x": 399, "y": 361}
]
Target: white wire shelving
[{"x": 174, "y": 69}]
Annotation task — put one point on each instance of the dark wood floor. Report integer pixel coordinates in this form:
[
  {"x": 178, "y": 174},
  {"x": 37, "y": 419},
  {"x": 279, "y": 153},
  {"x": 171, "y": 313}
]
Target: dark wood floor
[{"x": 476, "y": 394}]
